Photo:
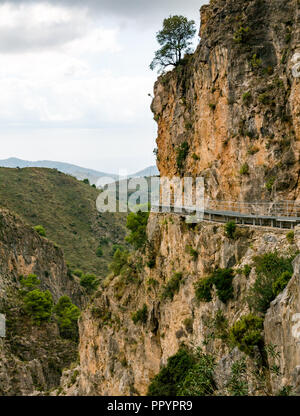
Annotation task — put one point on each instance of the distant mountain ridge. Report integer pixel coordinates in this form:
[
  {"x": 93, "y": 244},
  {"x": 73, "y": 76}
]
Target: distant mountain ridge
[{"x": 77, "y": 171}]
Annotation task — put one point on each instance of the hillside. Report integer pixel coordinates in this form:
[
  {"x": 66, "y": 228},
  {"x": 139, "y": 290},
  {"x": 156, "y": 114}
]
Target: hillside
[
  {"x": 32, "y": 355},
  {"x": 66, "y": 208}
]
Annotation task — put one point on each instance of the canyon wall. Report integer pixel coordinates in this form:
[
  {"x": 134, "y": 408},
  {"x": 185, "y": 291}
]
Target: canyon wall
[
  {"x": 32, "y": 357},
  {"x": 118, "y": 357},
  {"x": 235, "y": 104}
]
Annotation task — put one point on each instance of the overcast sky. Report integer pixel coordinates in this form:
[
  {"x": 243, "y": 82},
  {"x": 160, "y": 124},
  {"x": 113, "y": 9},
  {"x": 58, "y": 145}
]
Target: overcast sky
[{"x": 75, "y": 78}]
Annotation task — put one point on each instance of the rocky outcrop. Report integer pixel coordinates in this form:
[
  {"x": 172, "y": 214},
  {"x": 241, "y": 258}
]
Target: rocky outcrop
[
  {"x": 282, "y": 328},
  {"x": 24, "y": 251},
  {"x": 118, "y": 357},
  {"x": 234, "y": 104},
  {"x": 31, "y": 356}
]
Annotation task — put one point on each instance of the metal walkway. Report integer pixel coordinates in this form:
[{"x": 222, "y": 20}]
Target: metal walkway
[{"x": 284, "y": 214}]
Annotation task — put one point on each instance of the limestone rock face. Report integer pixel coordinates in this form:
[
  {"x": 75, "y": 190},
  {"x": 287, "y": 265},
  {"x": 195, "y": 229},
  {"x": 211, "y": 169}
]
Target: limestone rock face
[
  {"x": 118, "y": 357},
  {"x": 236, "y": 103},
  {"x": 23, "y": 251},
  {"x": 282, "y": 328},
  {"x": 31, "y": 357}
]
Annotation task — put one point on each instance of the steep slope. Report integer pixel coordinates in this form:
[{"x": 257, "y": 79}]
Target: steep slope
[
  {"x": 32, "y": 356},
  {"x": 67, "y": 210}
]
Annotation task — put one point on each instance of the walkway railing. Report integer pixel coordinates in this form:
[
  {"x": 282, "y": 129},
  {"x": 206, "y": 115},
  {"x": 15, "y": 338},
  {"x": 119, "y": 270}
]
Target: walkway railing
[
  {"x": 283, "y": 214},
  {"x": 269, "y": 209}
]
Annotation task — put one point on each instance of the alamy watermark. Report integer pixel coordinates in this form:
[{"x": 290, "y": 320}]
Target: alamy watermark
[{"x": 179, "y": 195}]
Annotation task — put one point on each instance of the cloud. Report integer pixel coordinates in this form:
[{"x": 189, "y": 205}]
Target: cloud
[
  {"x": 128, "y": 9},
  {"x": 28, "y": 25},
  {"x": 72, "y": 94},
  {"x": 57, "y": 68},
  {"x": 39, "y": 26},
  {"x": 73, "y": 70}
]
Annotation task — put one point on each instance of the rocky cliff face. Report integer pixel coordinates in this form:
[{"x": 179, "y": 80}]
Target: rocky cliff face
[
  {"x": 31, "y": 357},
  {"x": 282, "y": 328},
  {"x": 120, "y": 358},
  {"x": 234, "y": 104}
]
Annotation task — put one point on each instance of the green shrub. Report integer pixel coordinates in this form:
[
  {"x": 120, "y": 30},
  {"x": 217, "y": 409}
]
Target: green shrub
[
  {"x": 104, "y": 241},
  {"x": 30, "y": 282},
  {"x": 141, "y": 315},
  {"x": 288, "y": 37},
  {"x": 115, "y": 247},
  {"x": 182, "y": 152},
  {"x": 78, "y": 272},
  {"x": 151, "y": 260},
  {"x": 261, "y": 294},
  {"x": 67, "y": 318},
  {"x": 203, "y": 289},
  {"x": 246, "y": 270},
  {"x": 188, "y": 125},
  {"x": 192, "y": 252},
  {"x": 86, "y": 181},
  {"x": 246, "y": 334},
  {"x": 89, "y": 281},
  {"x": 39, "y": 305},
  {"x": 186, "y": 374},
  {"x": 272, "y": 264},
  {"x": 151, "y": 256},
  {"x": 241, "y": 35},
  {"x": 269, "y": 267},
  {"x": 99, "y": 252},
  {"x": 119, "y": 262},
  {"x": 212, "y": 106},
  {"x": 270, "y": 183},
  {"x": 167, "y": 381},
  {"x": 222, "y": 279},
  {"x": 230, "y": 229},
  {"x": 172, "y": 286},
  {"x": 264, "y": 98},
  {"x": 153, "y": 282},
  {"x": 290, "y": 237},
  {"x": 220, "y": 325},
  {"x": 281, "y": 282},
  {"x": 195, "y": 156},
  {"x": 247, "y": 97},
  {"x": 238, "y": 383},
  {"x": 199, "y": 380},
  {"x": 255, "y": 61},
  {"x": 137, "y": 224},
  {"x": 244, "y": 169},
  {"x": 40, "y": 230},
  {"x": 286, "y": 391},
  {"x": 188, "y": 324}
]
